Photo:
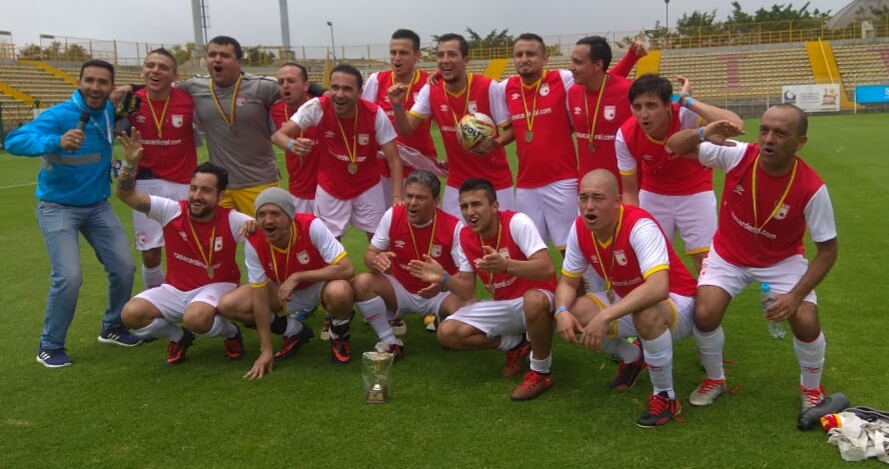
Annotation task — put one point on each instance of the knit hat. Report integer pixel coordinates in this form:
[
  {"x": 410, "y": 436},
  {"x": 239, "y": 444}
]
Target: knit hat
[{"x": 277, "y": 196}]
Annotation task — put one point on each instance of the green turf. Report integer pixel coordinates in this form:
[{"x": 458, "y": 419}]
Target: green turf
[{"x": 122, "y": 408}]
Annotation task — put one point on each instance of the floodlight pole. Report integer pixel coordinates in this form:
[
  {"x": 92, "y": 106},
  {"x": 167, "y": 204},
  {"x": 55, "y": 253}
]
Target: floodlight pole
[
  {"x": 332, "y": 43},
  {"x": 667, "y": 6}
]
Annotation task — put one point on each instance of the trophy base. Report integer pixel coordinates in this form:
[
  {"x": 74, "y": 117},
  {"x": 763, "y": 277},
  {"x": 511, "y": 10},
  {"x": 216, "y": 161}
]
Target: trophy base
[{"x": 376, "y": 396}]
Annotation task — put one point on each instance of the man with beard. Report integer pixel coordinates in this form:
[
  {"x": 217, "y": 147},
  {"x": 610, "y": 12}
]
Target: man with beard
[{"x": 201, "y": 240}]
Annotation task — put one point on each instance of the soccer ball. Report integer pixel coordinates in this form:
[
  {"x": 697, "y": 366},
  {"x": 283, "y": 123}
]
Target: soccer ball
[{"x": 474, "y": 129}]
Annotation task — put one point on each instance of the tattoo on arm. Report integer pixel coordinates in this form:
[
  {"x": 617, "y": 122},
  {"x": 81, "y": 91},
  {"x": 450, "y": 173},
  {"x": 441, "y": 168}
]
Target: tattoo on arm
[
  {"x": 126, "y": 185},
  {"x": 144, "y": 208}
]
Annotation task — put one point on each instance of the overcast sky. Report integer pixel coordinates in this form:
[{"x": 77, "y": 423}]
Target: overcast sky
[{"x": 355, "y": 22}]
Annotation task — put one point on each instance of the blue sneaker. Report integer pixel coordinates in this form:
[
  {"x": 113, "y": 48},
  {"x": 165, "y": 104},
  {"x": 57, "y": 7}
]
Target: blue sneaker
[
  {"x": 119, "y": 335},
  {"x": 53, "y": 358}
]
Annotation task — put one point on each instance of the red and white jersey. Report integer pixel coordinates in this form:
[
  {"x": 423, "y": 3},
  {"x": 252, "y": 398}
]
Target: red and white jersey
[
  {"x": 519, "y": 240},
  {"x": 375, "y": 88},
  {"x": 785, "y": 206},
  {"x": 484, "y": 96},
  {"x": 169, "y": 152},
  {"x": 549, "y": 156},
  {"x": 372, "y": 130},
  {"x": 313, "y": 247},
  {"x": 663, "y": 172},
  {"x": 187, "y": 267},
  {"x": 302, "y": 172},
  {"x": 438, "y": 239},
  {"x": 614, "y": 110},
  {"x": 638, "y": 250}
]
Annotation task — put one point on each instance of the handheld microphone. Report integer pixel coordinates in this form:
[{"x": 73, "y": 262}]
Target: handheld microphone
[{"x": 84, "y": 119}]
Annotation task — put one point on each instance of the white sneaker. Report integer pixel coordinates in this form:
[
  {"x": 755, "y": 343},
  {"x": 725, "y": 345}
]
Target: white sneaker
[
  {"x": 398, "y": 326},
  {"x": 707, "y": 392}
]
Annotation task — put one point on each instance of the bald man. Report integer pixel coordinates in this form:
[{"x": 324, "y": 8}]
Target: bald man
[{"x": 648, "y": 293}]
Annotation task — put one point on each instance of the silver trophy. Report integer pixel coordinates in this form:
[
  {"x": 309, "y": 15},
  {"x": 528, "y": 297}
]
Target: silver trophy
[{"x": 376, "y": 373}]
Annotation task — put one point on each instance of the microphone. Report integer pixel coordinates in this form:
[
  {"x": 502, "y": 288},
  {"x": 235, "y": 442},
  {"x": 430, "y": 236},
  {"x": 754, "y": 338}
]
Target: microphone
[{"x": 84, "y": 118}]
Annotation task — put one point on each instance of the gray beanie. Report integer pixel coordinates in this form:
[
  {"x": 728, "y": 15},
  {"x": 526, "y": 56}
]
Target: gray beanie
[{"x": 277, "y": 196}]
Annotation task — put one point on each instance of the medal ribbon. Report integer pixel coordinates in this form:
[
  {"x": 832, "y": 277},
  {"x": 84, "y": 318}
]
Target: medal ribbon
[
  {"x": 229, "y": 123},
  {"x": 431, "y": 237},
  {"x": 272, "y": 250},
  {"x": 780, "y": 201},
  {"x": 465, "y": 105},
  {"x": 586, "y": 107},
  {"x": 608, "y": 276},
  {"x": 351, "y": 150},
  {"x": 158, "y": 123},
  {"x": 208, "y": 260},
  {"x": 529, "y": 116}
]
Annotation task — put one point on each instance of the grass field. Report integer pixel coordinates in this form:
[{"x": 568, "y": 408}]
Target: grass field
[{"x": 122, "y": 408}]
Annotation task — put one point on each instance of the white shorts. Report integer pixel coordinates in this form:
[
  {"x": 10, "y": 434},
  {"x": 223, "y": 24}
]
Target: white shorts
[
  {"x": 386, "y": 184},
  {"x": 496, "y": 318},
  {"x": 592, "y": 283},
  {"x": 450, "y": 203},
  {"x": 683, "y": 308},
  {"x": 306, "y": 299},
  {"x": 148, "y": 233},
  {"x": 303, "y": 205},
  {"x": 363, "y": 212},
  {"x": 172, "y": 302},
  {"x": 694, "y": 216},
  {"x": 781, "y": 277},
  {"x": 550, "y": 208},
  {"x": 409, "y": 303}
]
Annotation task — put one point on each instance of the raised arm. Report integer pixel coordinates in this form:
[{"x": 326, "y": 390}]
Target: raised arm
[
  {"x": 706, "y": 112},
  {"x": 405, "y": 123},
  {"x": 686, "y": 142},
  {"x": 126, "y": 183}
]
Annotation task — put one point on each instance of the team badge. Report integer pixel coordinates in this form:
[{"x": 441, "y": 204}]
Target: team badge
[
  {"x": 363, "y": 139},
  {"x": 504, "y": 253},
  {"x": 473, "y": 107},
  {"x": 435, "y": 251},
  {"x": 241, "y": 101},
  {"x": 141, "y": 238},
  {"x": 782, "y": 212},
  {"x": 610, "y": 112},
  {"x": 217, "y": 246},
  {"x": 177, "y": 120},
  {"x": 544, "y": 89},
  {"x": 302, "y": 257},
  {"x": 183, "y": 236},
  {"x": 620, "y": 257}
]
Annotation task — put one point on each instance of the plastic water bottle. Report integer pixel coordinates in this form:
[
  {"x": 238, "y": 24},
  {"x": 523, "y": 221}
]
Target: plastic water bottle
[{"x": 777, "y": 329}]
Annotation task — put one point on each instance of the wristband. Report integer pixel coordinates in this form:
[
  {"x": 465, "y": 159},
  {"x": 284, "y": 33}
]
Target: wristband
[
  {"x": 126, "y": 167},
  {"x": 290, "y": 146},
  {"x": 445, "y": 280},
  {"x": 398, "y": 107},
  {"x": 559, "y": 310},
  {"x": 701, "y": 134},
  {"x": 688, "y": 102}
]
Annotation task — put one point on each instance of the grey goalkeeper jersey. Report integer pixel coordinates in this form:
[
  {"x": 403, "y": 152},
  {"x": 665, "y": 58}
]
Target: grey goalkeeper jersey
[{"x": 246, "y": 151}]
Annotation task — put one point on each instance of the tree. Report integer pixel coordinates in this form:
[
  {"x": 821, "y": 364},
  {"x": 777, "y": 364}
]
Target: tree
[
  {"x": 257, "y": 57},
  {"x": 31, "y": 52},
  {"x": 55, "y": 51},
  {"x": 182, "y": 54},
  {"x": 495, "y": 45},
  {"x": 698, "y": 22}
]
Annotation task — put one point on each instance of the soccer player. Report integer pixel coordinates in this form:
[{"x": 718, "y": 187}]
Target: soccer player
[
  {"x": 201, "y": 239},
  {"x": 169, "y": 154},
  {"x": 74, "y": 142},
  {"x": 506, "y": 252},
  {"x": 598, "y": 105},
  {"x": 351, "y": 131},
  {"x": 409, "y": 234},
  {"x": 771, "y": 197},
  {"x": 232, "y": 108},
  {"x": 293, "y": 265},
  {"x": 648, "y": 293},
  {"x": 302, "y": 171},
  {"x": 456, "y": 95},
  {"x": 677, "y": 192},
  {"x": 404, "y": 53}
]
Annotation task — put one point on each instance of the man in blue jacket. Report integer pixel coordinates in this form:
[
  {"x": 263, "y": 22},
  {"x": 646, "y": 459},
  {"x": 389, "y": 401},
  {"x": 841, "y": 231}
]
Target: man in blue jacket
[{"x": 74, "y": 142}]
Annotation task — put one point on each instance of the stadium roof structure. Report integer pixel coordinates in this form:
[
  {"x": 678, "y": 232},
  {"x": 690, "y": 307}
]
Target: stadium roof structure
[{"x": 856, "y": 10}]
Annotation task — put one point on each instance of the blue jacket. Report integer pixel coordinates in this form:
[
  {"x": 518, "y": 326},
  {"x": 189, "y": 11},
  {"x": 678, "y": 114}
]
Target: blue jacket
[{"x": 80, "y": 178}]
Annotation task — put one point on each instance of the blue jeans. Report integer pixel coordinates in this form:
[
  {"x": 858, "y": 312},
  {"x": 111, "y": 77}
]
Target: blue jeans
[{"x": 61, "y": 226}]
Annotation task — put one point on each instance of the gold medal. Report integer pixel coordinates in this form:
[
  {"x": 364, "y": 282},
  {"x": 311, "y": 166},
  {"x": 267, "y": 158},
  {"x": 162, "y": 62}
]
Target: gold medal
[
  {"x": 210, "y": 271},
  {"x": 610, "y": 295},
  {"x": 352, "y": 168},
  {"x": 529, "y": 136},
  {"x": 592, "y": 147}
]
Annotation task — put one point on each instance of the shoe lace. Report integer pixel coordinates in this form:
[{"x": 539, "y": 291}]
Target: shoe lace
[
  {"x": 625, "y": 371},
  {"x": 531, "y": 379},
  {"x": 710, "y": 384},
  {"x": 813, "y": 396},
  {"x": 657, "y": 404}
]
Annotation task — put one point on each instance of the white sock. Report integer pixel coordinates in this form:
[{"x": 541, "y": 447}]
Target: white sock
[
  {"x": 710, "y": 346},
  {"x": 509, "y": 342},
  {"x": 221, "y": 328},
  {"x": 627, "y": 352},
  {"x": 162, "y": 329},
  {"x": 811, "y": 360},
  {"x": 293, "y": 327},
  {"x": 152, "y": 277},
  {"x": 659, "y": 358},
  {"x": 542, "y": 366},
  {"x": 374, "y": 310}
]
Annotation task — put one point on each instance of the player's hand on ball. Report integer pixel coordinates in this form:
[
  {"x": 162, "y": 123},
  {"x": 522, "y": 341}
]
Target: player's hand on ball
[
  {"x": 719, "y": 132},
  {"x": 132, "y": 146},
  {"x": 486, "y": 147}
]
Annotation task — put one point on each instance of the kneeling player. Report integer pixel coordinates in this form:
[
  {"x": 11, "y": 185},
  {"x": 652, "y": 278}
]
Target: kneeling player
[
  {"x": 201, "y": 240},
  {"x": 294, "y": 261},
  {"x": 630, "y": 253},
  {"x": 506, "y": 252},
  {"x": 414, "y": 232}
]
